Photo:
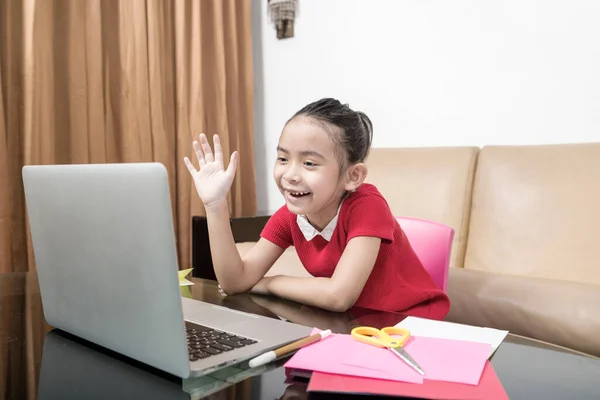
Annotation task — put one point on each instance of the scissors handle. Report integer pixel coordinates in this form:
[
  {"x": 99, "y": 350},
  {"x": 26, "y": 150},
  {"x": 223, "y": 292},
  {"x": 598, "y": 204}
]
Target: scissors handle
[
  {"x": 399, "y": 335},
  {"x": 387, "y": 337}
]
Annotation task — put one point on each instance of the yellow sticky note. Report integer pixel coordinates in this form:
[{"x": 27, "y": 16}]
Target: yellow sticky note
[
  {"x": 182, "y": 274},
  {"x": 186, "y": 292}
]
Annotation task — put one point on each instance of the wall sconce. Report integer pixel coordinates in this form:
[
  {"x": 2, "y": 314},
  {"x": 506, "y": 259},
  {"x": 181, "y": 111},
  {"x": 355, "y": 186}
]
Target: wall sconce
[{"x": 283, "y": 14}]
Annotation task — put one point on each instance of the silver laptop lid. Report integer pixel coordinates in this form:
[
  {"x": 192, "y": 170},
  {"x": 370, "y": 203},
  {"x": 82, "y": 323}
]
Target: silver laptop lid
[{"x": 105, "y": 252}]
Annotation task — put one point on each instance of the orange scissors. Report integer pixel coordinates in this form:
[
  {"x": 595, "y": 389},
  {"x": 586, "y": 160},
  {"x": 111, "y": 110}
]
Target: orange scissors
[{"x": 390, "y": 337}]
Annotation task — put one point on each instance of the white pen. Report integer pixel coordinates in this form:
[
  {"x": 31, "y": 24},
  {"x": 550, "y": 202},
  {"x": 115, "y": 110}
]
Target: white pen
[{"x": 272, "y": 355}]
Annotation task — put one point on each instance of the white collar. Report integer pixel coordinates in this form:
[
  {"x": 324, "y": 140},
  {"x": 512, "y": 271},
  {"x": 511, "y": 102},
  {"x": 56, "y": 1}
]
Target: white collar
[{"x": 310, "y": 231}]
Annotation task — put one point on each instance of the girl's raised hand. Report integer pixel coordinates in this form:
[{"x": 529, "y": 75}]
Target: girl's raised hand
[{"x": 211, "y": 179}]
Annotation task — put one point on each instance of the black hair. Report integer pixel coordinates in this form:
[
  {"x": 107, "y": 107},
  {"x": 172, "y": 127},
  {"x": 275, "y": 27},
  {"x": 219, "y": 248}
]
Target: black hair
[{"x": 354, "y": 129}]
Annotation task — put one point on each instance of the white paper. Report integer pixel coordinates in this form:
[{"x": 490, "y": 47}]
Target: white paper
[{"x": 450, "y": 330}]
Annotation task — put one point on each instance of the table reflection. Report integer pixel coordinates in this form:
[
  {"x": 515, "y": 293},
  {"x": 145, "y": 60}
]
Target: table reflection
[
  {"x": 74, "y": 369},
  {"x": 311, "y": 316}
]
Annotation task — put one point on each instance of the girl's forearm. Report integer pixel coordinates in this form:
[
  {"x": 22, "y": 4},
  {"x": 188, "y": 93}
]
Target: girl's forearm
[
  {"x": 227, "y": 263},
  {"x": 317, "y": 292}
]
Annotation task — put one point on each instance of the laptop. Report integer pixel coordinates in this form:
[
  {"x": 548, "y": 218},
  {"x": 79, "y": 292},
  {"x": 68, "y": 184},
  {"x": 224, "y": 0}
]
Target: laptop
[{"x": 105, "y": 250}]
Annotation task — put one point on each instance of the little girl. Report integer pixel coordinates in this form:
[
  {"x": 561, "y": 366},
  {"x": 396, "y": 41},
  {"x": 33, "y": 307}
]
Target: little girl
[{"x": 342, "y": 228}]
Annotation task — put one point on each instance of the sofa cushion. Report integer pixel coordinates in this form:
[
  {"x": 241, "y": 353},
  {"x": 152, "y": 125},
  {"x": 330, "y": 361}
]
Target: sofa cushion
[
  {"x": 536, "y": 212},
  {"x": 430, "y": 183},
  {"x": 558, "y": 312}
]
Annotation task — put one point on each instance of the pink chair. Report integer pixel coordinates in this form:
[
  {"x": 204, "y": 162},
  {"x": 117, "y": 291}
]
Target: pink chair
[{"x": 433, "y": 244}]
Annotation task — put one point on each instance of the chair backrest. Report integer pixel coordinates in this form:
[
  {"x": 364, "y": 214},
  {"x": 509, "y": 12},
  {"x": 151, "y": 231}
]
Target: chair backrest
[{"x": 433, "y": 244}]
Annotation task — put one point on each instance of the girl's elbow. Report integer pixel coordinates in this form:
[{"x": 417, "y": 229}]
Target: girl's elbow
[
  {"x": 340, "y": 302},
  {"x": 226, "y": 290},
  {"x": 230, "y": 290},
  {"x": 340, "y": 307}
]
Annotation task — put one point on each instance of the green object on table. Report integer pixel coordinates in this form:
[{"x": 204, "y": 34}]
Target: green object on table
[
  {"x": 185, "y": 284},
  {"x": 186, "y": 291}
]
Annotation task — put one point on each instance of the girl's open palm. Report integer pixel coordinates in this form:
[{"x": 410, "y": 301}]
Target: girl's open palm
[{"x": 212, "y": 180}]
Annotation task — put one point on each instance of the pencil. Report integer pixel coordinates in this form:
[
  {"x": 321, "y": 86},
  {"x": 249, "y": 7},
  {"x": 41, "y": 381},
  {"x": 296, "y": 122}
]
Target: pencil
[{"x": 272, "y": 355}]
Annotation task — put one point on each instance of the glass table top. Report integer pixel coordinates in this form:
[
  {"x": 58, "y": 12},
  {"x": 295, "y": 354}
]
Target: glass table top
[{"x": 40, "y": 362}]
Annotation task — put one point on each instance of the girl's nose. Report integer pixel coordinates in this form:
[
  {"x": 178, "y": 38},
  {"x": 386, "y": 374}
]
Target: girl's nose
[{"x": 291, "y": 175}]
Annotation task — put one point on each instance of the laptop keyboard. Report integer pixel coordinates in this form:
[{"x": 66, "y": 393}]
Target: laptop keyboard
[{"x": 204, "y": 342}]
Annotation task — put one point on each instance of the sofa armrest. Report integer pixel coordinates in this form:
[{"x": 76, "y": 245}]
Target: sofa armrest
[{"x": 558, "y": 312}]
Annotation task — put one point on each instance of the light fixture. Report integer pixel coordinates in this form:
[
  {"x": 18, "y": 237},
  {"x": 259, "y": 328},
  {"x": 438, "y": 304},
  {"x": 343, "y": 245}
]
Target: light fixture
[{"x": 283, "y": 13}]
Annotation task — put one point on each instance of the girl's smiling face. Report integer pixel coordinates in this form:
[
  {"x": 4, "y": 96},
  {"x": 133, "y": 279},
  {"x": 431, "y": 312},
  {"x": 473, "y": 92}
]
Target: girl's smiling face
[{"x": 308, "y": 171}]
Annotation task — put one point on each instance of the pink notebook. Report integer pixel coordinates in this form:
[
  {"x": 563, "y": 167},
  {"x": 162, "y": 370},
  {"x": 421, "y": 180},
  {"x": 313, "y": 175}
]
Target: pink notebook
[
  {"x": 441, "y": 359},
  {"x": 327, "y": 356},
  {"x": 489, "y": 387}
]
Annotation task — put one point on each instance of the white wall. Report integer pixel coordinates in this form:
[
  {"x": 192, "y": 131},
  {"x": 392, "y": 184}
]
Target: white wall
[{"x": 433, "y": 73}]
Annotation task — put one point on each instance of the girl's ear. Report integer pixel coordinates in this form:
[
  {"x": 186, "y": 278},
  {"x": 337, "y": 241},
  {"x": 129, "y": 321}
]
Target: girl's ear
[{"x": 356, "y": 175}]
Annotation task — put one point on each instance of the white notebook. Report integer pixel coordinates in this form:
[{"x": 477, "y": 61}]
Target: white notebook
[{"x": 450, "y": 330}]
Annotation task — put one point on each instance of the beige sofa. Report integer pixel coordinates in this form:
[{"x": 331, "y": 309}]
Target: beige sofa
[{"x": 526, "y": 251}]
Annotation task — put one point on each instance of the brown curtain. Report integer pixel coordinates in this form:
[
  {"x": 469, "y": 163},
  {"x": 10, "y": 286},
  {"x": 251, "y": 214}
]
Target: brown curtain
[{"x": 95, "y": 81}]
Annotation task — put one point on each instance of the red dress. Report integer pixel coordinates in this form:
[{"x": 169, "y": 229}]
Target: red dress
[{"x": 398, "y": 281}]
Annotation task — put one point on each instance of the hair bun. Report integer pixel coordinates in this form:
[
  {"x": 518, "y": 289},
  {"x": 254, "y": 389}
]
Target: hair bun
[
  {"x": 366, "y": 121},
  {"x": 353, "y": 130}
]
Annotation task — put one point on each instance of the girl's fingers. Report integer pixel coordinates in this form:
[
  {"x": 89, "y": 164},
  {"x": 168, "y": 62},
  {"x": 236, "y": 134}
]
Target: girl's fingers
[
  {"x": 233, "y": 162},
  {"x": 199, "y": 154},
  {"x": 208, "y": 154},
  {"x": 189, "y": 165},
  {"x": 218, "y": 149}
]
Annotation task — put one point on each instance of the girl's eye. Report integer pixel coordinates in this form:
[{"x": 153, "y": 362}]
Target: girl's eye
[
  {"x": 310, "y": 164},
  {"x": 281, "y": 159}
]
